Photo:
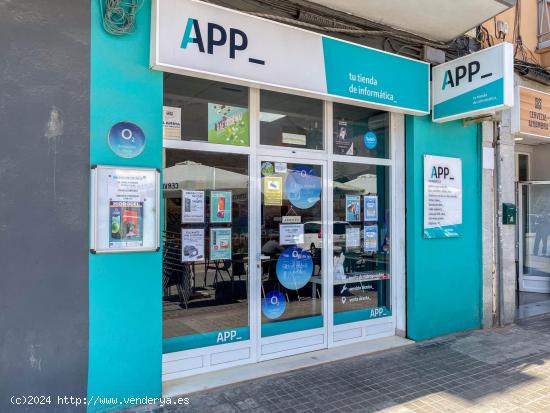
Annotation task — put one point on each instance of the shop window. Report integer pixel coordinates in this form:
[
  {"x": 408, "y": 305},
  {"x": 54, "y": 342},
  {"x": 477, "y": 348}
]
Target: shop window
[
  {"x": 205, "y": 249},
  {"x": 205, "y": 111},
  {"x": 290, "y": 121},
  {"x": 360, "y": 132},
  {"x": 361, "y": 242}
]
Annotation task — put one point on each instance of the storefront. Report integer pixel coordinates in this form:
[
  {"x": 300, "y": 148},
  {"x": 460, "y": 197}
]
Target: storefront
[
  {"x": 291, "y": 213},
  {"x": 279, "y": 223}
]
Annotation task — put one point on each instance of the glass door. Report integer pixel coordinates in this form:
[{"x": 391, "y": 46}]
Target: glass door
[
  {"x": 291, "y": 248},
  {"x": 534, "y": 230}
]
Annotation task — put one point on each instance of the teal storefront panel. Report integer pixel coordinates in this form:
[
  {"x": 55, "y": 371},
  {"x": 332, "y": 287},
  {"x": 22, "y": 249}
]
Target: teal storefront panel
[
  {"x": 125, "y": 347},
  {"x": 444, "y": 275}
]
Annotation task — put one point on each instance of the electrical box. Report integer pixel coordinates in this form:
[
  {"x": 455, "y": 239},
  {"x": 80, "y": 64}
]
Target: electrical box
[{"x": 508, "y": 214}]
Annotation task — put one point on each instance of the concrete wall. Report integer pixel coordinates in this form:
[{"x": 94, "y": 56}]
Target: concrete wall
[{"x": 44, "y": 175}]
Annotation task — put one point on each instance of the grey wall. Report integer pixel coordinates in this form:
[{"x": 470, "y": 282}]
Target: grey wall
[
  {"x": 540, "y": 163},
  {"x": 44, "y": 164}
]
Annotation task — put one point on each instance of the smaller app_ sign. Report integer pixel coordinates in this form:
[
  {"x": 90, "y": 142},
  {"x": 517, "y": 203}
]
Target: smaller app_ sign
[{"x": 473, "y": 85}]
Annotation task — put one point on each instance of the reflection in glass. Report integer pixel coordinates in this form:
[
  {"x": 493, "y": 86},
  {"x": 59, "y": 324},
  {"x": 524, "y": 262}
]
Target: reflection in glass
[
  {"x": 210, "y": 111},
  {"x": 205, "y": 251},
  {"x": 289, "y": 120},
  {"x": 361, "y": 242},
  {"x": 291, "y": 247},
  {"x": 360, "y": 132},
  {"x": 536, "y": 251}
]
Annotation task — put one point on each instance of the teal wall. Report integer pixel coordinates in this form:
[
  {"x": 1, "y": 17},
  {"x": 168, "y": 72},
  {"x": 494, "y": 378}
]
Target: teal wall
[
  {"x": 125, "y": 289},
  {"x": 444, "y": 276}
]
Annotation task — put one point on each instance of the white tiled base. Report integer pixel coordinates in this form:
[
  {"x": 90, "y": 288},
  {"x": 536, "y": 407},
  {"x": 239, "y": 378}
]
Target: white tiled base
[{"x": 252, "y": 371}]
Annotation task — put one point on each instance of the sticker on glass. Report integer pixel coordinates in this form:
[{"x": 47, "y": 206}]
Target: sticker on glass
[
  {"x": 303, "y": 187},
  {"x": 273, "y": 305},
  {"x": 294, "y": 268}
]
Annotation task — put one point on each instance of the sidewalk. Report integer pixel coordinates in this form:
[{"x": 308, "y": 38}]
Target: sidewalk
[{"x": 501, "y": 370}]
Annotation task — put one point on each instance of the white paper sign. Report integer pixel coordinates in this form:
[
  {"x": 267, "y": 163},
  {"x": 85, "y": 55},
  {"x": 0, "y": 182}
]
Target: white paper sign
[
  {"x": 442, "y": 197},
  {"x": 192, "y": 206},
  {"x": 353, "y": 237},
  {"x": 291, "y": 234},
  {"x": 125, "y": 209},
  {"x": 192, "y": 244},
  {"x": 171, "y": 122}
]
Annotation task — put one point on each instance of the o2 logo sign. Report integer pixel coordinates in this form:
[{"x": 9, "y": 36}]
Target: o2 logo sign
[
  {"x": 454, "y": 77},
  {"x": 217, "y": 36}
]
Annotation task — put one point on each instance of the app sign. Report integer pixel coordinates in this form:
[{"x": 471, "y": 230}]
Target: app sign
[
  {"x": 294, "y": 268},
  {"x": 274, "y": 304},
  {"x": 303, "y": 187}
]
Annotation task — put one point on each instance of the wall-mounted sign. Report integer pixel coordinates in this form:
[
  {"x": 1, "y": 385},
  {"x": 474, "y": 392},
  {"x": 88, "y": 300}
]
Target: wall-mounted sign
[
  {"x": 125, "y": 209},
  {"x": 126, "y": 139},
  {"x": 531, "y": 114},
  {"x": 171, "y": 122},
  {"x": 199, "y": 39},
  {"x": 442, "y": 197},
  {"x": 473, "y": 85}
]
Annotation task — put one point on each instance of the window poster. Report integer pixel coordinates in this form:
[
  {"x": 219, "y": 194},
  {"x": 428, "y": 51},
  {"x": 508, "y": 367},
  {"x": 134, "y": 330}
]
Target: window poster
[
  {"x": 192, "y": 206},
  {"x": 171, "y": 122},
  {"x": 344, "y": 138},
  {"x": 220, "y": 206},
  {"x": 370, "y": 238},
  {"x": 291, "y": 234},
  {"x": 220, "y": 243},
  {"x": 125, "y": 209},
  {"x": 192, "y": 244},
  {"x": 228, "y": 125},
  {"x": 370, "y": 207},
  {"x": 353, "y": 237},
  {"x": 442, "y": 197},
  {"x": 353, "y": 208},
  {"x": 273, "y": 190}
]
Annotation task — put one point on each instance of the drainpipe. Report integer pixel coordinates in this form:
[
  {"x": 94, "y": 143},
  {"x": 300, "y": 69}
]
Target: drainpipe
[{"x": 498, "y": 211}]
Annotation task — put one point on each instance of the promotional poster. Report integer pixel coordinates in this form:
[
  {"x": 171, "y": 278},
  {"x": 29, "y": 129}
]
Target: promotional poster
[
  {"x": 371, "y": 207},
  {"x": 220, "y": 243},
  {"x": 192, "y": 244},
  {"x": 192, "y": 206},
  {"x": 220, "y": 206},
  {"x": 353, "y": 208},
  {"x": 344, "y": 138},
  {"x": 228, "y": 125},
  {"x": 126, "y": 223},
  {"x": 370, "y": 238}
]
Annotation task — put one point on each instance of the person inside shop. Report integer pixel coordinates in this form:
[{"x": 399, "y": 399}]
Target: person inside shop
[
  {"x": 272, "y": 249},
  {"x": 542, "y": 230}
]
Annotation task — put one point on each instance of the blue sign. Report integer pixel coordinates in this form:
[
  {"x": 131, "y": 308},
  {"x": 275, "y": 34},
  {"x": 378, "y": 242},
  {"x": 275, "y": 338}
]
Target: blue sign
[
  {"x": 274, "y": 305},
  {"x": 370, "y": 140},
  {"x": 303, "y": 187},
  {"x": 294, "y": 268},
  {"x": 126, "y": 139}
]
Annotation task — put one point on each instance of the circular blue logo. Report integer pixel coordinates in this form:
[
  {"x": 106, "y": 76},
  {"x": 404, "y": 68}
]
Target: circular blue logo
[
  {"x": 126, "y": 139},
  {"x": 274, "y": 304},
  {"x": 294, "y": 268},
  {"x": 370, "y": 140},
  {"x": 303, "y": 187}
]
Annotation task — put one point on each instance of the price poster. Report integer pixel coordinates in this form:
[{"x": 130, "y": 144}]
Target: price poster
[
  {"x": 125, "y": 205},
  {"x": 370, "y": 238},
  {"x": 371, "y": 207},
  {"x": 220, "y": 206},
  {"x": 353, "y": 208},
  {"x": 192, "y": 244},
  {"x": 220, "y": 243},
  {"x": 442, "y": 197},
  {"x": 192, "y": 206}
]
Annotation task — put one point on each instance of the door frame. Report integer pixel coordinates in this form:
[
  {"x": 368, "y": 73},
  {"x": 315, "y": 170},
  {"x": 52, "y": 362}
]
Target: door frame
[{"x": 527, "y": 283}]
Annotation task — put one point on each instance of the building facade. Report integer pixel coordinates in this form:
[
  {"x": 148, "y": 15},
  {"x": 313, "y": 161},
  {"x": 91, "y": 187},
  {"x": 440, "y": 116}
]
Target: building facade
[{"x": 213, "y": 188}]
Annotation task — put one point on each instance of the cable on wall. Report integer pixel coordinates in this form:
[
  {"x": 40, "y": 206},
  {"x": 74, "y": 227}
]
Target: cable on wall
[{"x": 119, "y": 16}]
